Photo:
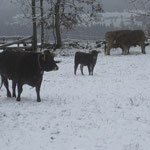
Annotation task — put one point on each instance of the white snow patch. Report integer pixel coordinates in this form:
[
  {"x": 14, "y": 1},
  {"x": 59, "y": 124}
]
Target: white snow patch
[{"x": 107, "y": 111}]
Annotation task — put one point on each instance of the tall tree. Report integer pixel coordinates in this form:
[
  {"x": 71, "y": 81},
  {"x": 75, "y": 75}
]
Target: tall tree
[
  {"x": 28, "y": 8},
  {"x": 57, "y": 23},
  {"x": 60, "y": 14},
  {"x": 141, "y": 7},
  {"x": 34, "y": 26},
  {"x": 42, "y": 23},
  {"x": 69, "y": 13}
]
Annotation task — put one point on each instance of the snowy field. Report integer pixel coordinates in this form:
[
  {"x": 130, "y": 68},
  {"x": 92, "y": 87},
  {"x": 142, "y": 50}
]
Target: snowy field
[{"x": 107, "y": 111}]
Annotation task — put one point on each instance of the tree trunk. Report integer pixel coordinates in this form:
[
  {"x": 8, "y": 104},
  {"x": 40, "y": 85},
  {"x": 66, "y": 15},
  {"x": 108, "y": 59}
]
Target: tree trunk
[
  {"x": 57, "y": 24},
  {"x": 42, "y": 24},
  {"x": 34, "y": 26},
  {"x": 53, "y": 23}
]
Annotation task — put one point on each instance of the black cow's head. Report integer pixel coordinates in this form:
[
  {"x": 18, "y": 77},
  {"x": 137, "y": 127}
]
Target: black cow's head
[
  {"x": 94, "y": 52},
  {"x": 47, "y": 62}
]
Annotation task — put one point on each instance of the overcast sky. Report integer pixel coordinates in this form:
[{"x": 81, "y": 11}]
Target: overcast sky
[
  {"x": 109, "y": 5},
  {"x": 115, "y": 5}
]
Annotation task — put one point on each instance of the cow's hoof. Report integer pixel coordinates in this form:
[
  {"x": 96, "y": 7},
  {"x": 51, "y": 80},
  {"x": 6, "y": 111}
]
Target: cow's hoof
[
  {"x": 8, "y": 94},
  {"x": 14, "y": 95},
  {"x": 38, "y": 100},
  {"x": 18, "y": 99}
]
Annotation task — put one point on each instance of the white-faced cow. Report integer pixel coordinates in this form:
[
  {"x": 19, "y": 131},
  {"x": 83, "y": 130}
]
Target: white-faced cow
[
  {"x": 25, "y": 68},
  {"x": 85, "y": 59},
  {"x": 124, "y": 39}
]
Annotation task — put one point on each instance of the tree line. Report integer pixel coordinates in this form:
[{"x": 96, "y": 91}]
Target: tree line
[{"x": 58, "y": 15}]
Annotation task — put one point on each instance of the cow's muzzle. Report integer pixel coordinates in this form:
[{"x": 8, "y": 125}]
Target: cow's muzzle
[{"x": 56, "y": 68}]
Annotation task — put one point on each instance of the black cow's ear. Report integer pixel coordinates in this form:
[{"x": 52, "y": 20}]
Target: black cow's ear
[
  {"x": 90, "y": 51},
  {"x": 48, "y": 52},
  {"x": 53, "y": 54},
  {"x": 43, "y": 56}
]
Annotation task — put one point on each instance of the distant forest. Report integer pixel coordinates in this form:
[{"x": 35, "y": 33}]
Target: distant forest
[
  {"x": 94, "y": 32},
  {"x": 89, "y": 32}
]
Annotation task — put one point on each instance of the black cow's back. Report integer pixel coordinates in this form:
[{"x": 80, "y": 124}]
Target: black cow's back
[
  {"x": 16, "y": 64},
  {"x": 82, "y": 58}
]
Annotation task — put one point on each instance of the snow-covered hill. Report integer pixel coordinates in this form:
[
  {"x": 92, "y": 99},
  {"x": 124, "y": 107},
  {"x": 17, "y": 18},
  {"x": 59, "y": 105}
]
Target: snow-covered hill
[
  {"x": 107, "y": 111},
  {"x": 123, "y": 19},
  {"x": 119, "y": 19}
]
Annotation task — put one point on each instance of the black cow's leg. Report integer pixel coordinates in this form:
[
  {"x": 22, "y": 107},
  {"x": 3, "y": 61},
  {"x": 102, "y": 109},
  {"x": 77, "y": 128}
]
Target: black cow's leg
[
  {"x": 105, "y": 48},
  {"x": 5, "y": 81},
  {"x": 14, "y": 88},
  {"x": 38, "y": 86},
  {"x": 75, "y": 68},
  {"x": 128, "y": 51},
  {"x": 19, "y": 91},
  {"x": 125, "y": 50},
  {"x": 81, "y": 68},
  {"x": 92, "y": 69},
  {"x": 38, "y": 93},
  {"x": 89, "y": 69}
]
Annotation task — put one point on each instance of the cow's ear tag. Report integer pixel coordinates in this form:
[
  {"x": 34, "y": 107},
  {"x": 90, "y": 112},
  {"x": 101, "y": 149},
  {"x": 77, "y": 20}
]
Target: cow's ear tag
[{"x": 43, "y": 57}]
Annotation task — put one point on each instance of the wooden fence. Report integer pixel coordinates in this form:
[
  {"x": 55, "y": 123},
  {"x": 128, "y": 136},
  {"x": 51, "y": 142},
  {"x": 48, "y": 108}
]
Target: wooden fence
[{"x": 17, "y": 42}]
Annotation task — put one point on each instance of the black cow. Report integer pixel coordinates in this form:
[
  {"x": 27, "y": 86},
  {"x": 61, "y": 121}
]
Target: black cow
[
  {"x": 4, "y": 79},
  {"x": 25, "y": 68},
  {"x": 85, "y": 59}
]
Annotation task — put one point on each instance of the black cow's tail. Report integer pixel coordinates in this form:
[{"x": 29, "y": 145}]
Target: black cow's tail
[{"x": 2, "y": 82}]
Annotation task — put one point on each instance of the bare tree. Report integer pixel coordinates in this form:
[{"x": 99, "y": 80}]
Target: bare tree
[
  {"x": 57, "y": 23},
  {"x": 42, "y": 23},
  {"x": 34, "y": 26},
  {"x": 30, "y": 10},
  {"x": 59, "y": 14},
  {"x": 69, "y": 13},
  {"x": 141, "y": 7}
]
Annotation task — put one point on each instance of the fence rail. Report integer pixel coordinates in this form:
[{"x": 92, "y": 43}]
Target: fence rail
[{"x": 12, "y": 40}]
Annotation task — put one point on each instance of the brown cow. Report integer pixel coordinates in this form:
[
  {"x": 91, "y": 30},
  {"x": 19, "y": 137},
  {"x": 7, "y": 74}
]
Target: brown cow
[{"x": 124, "y": 39}]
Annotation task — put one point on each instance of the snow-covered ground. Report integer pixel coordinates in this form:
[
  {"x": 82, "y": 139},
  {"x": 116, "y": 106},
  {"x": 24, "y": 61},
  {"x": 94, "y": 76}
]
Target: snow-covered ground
[{"x": 107, "y": 111}]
